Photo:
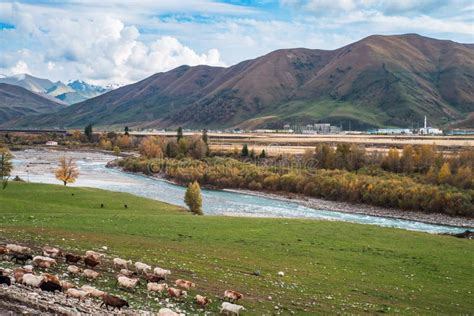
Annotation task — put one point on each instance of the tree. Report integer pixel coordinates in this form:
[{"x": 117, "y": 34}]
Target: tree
[
  {"x": 88, "y": 132},
  {"x": 407, "y": 163},
  {"x": 179, "y": 133},
  {"x": 116, "y": 150},
  {"x": 205, "y": 138},
  {"x": 252, "y": 153},
  {"x": 463, "y": 178},
  {"x": 245, "y": 151},
  {"x": 67, "y": 171},
  {"x": 263, "y": 154},
  {"x": 193, "y": 198},
  {"x": 5, "y": 166},
  {"x": 126, "y": 130},
  {"x": 391, "y": 162},
  {"x": 444, "y": 174},
  {"x": 150, "y": 148}
]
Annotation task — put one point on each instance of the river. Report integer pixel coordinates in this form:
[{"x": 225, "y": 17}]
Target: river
[{"x": 38, "y": 166}]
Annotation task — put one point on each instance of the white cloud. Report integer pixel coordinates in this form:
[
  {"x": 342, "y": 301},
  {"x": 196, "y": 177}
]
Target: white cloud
[{"x": 100, "y": 50}]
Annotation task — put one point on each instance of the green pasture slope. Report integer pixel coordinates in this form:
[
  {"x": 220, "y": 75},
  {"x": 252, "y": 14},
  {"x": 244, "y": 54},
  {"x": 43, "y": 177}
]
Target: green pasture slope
[{"x": 329, "y": 267}]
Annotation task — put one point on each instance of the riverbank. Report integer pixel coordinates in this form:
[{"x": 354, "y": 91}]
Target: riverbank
[{"x": 364, "y": 209}]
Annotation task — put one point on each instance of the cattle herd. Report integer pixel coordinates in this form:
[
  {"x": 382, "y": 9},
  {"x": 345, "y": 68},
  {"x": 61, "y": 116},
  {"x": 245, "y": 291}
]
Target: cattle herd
[{"x": 128, "y": 276}]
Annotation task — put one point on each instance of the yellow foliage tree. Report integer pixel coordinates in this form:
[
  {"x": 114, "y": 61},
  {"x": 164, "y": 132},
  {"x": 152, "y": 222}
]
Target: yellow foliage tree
[
  {"x": 150, "y": 148},
  {"x": 193, "y": 198},
  {"x": 67, "y": 171},
  {"x": 444, "y": 174}
]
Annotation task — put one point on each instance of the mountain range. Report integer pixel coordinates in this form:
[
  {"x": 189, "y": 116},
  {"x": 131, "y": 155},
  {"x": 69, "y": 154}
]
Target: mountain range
[
  {"x": 375, "y": 82},
  {"x": 17, "y": 102},
  {"x": 68, "y": 93}
]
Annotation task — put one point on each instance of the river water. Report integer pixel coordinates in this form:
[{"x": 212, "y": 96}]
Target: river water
[{"x": 38, "y": 166}]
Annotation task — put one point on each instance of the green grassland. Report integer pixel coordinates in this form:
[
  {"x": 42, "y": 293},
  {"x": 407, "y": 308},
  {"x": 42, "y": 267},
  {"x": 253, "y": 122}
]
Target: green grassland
[{"x": 329, "y": 266}]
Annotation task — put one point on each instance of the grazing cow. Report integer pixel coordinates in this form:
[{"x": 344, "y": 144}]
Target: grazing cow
[
  {"x": 91, "y": 262},
  {"x": 76, "y": 293},
  {"x": 94, "y": 255},
  {"x": 52, "y": 252},
  {"x": 21, "y": 257},
  {"x": 50, "y": 286},
  {"x": 156, "y": 287},
  {"x": 17, "y": 248},
  {"x": 121, "y": 263},
  {"x": 72, "y": 258},
  {"x": 150, "y": 277},
  {"x": 73, "y": 269},
  {"x": 5, "y": 280},
  {"x": 161, "y": 272},
  {"x": 142, "y": 267},
  {"x": 178, "y": 293},
  {"x": 92, "y": 291},
  {"x": 233, "y": 296},
  {"x": 90, "y": 274},
  {"x": 127, "y": 282},
  {"x": 113, "y": 301},
  {"x": 231, "y": 309},
  {"x": 125, "y": 205},
  {"x": 32, "y": 280},
  {"x": 184, "y": 284},
  {"x": 166, "y": 312},
  {"x": 202, "y": 300}
]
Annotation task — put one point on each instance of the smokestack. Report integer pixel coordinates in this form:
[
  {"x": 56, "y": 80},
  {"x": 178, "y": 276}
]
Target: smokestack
[{"x": 425, "y": 121}]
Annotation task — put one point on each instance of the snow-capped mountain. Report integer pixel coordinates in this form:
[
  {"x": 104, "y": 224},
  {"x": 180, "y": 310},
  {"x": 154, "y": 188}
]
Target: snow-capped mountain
[{"x": 69, "y": 93}]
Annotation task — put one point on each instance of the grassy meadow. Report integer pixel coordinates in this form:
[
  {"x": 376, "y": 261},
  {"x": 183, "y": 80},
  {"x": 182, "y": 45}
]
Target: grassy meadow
[{"x": 330, "y": 267}]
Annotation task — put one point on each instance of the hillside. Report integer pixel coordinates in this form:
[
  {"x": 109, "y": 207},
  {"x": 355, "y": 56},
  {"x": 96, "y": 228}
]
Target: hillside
[
  {"x": 328, "y": 266},
  {"x": 17, "y": 102},
  {"x": 378, "y": 81}
]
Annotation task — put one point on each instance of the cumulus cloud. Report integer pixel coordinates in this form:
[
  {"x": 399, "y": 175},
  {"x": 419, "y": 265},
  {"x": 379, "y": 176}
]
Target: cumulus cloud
[{"x": 101, "y": 50}]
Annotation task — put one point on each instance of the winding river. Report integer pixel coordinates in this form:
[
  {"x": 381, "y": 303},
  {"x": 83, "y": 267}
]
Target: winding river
[{"x": 38, "y": 166}]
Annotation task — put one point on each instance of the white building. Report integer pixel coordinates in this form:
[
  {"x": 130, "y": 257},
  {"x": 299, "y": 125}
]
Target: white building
[
  {"x": 429, "y": 130},
  {"x": 51, "y": 143}
]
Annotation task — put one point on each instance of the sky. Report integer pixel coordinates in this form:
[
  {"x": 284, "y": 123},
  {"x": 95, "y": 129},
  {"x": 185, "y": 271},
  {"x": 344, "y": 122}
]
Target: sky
[{"x": 120, "y": 42}]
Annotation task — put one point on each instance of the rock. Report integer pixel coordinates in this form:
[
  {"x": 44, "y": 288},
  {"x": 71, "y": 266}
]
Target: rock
[{"x": 281, "y": 273}]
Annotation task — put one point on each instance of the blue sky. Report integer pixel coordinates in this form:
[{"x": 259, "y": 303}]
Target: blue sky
[{"x": 111, "y": 41}]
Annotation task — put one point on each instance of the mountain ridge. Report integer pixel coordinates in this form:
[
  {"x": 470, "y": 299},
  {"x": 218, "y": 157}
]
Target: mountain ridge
[
  {"x": 17, "y": 102},
  {"x": 68, "y": 93},
  {"x": 374, "y": 82}
]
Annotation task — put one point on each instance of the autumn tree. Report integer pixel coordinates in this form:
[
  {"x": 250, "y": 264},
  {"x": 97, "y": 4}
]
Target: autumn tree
[
  {"x": 67, "y": 171},
  {"x": 197, "y": 148},
  {"x": 150, "y": 148},
  {"x": 193, "y": 198},
  {"x": 116, "y": 150},
  {"x": 391, "y": 161},
  {"x": 464, "y": 178},
  {"x": 407, "y": 163},
  {"x": 444, "y": 174},
  {"x": 105, "y": 144}
]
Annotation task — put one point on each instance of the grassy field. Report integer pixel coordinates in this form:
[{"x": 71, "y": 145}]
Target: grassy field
[{"x": 329, "y": 266}]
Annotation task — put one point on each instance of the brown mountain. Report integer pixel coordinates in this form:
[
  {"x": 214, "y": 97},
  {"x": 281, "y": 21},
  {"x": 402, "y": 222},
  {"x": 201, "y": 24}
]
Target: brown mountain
[
  {"x": 17, "y": 102},
  {"x": 377, "y": 81}
]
